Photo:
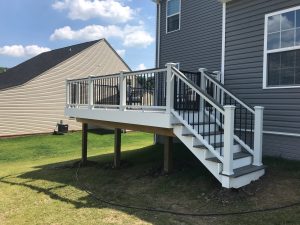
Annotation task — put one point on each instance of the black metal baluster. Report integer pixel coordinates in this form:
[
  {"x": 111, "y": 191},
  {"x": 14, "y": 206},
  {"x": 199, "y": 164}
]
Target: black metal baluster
[
  {"x": 203, "y": 127},
  {"x": 240, "y": 121},
  {"x": 215, "y": 127},
  {"x": 179, "y": 107},
  {"x": 209, "y": 114},
  {"x": 246, "y": 118},
  {"x": 251, "y": 130}
]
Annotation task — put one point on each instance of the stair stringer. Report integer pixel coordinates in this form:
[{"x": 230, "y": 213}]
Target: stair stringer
[{"x": 200, "y": 153}]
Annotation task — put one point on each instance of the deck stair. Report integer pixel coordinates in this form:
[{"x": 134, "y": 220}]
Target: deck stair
[{"x": 220, "y": 135}]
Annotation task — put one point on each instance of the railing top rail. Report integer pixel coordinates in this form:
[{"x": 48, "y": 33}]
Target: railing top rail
[
  {"x": 78, "y": 79},
  {"x": 129, "y": 73},
  {"x": 207, "y": 98},
  {"x": 105, "y": 76},
  {"x": 222, "y": 86},
  {"x": 153, "y": 70},
  {"x": 185, "y": 71}
]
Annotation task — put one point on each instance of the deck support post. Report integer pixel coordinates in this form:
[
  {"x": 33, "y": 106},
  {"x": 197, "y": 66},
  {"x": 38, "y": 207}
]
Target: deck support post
[
  {"x": 228, "y": 139},
  {"x": 117, "y": 152},
  {"x": 168, "y": 154},
  {"x": 84, "y": 143}
]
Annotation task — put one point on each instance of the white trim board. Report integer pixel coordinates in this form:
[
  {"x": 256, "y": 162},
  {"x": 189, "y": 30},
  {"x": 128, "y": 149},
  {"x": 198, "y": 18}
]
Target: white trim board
[
  {"x": 266, "y": 51},
  {"x": 282, "y": 133}
]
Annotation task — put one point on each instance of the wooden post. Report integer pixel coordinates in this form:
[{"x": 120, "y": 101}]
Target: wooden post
[
  {"x": 84, "y": 143},
  {"x": 117, "y": 156},
  {"x": 168, "y": 154}
]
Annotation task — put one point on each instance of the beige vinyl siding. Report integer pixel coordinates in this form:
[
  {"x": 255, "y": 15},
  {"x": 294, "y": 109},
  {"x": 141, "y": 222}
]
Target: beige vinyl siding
[{"x": 38, "y": 105}]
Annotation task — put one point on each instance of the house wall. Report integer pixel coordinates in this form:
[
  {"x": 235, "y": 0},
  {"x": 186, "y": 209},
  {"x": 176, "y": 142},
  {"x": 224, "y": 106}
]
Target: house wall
[
  {"x": 38, "y": 105},
  {"x": 199, "y": 41},
  {"x": 244, "y": 73}
]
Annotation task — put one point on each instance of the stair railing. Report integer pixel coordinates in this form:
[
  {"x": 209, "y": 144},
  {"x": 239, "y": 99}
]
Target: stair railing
[
  {"x": 185, "y": 106},
  {"x": 248, "y": 122}
]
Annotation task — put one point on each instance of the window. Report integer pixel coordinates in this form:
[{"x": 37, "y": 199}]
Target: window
[
  {"x": 173, "y": 15},
  {"x": 282, "y": 49}
]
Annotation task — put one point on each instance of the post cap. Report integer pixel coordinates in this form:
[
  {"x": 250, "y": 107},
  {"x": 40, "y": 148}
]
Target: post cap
[
  {"x": 171, "y": 64},
  {"x": 259, "y": 107},
  {"x": 202, "y": 70},
  {"x": 229, "y": 107}
]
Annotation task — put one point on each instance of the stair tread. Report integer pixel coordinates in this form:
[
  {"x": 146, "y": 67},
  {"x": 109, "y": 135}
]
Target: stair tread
[
  {"x": 216, "y": 145},
  {"x": 237, "y": 155},
  {"x": 188, "y": 135},
  {"x": 201, "y": 123},
  {"x": 204, "y": 134},
  {"x": 176, "y": 124},
  {"x": 245, "y": 170}
]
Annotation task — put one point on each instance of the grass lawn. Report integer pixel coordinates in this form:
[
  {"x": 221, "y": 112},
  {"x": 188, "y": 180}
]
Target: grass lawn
[{"x": 37, "y": 185}]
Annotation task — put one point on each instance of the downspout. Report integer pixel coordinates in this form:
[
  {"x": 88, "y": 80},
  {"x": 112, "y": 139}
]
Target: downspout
[
  {"x": 224, "y": 6},
  {"x": 223, "y": 42},
  {"x": 157, "y": 63},
  {"x": 158, "y": 34}
]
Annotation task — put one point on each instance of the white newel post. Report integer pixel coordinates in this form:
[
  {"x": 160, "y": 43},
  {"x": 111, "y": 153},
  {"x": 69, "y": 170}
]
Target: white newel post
[
  {"x": 170, "y": 88},
  {"x": 203, "y": 87},
  {"x": 122, "y": 91},
  {"x": 228, "y": 139},
  {"x": 258, "y": 135}
]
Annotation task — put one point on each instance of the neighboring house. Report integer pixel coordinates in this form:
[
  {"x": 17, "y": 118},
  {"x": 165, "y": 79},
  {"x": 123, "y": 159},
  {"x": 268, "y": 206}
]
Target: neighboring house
[
  {"x": 260, "y": 60},
  {"x": 32, "y": 94}
]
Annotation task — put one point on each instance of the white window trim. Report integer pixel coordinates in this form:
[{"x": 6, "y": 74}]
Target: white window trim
[
  {"x": 266, "y": 51},
  {"x": 167, "y": 16}
]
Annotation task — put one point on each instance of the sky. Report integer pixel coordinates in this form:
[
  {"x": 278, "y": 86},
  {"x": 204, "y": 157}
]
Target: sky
[{"x": 30, "y": 27}]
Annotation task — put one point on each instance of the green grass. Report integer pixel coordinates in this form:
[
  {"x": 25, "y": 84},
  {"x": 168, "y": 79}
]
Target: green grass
[{"x": 37, "y": 185}]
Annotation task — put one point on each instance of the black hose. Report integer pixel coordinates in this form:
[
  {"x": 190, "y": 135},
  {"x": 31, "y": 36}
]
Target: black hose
[{"x": 85, "y": 189}]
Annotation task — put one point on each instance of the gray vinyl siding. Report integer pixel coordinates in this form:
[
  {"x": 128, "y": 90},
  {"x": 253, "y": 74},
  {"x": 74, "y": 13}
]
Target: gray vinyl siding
[
  {"x": 244, "y": 72},
  {"x": 198, "y": 43},
  {"x": 281, "y": 146}
]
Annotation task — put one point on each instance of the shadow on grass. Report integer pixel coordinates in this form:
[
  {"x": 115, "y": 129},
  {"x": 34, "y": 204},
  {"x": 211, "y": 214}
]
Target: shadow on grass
[{"x": 140, "y": 182}]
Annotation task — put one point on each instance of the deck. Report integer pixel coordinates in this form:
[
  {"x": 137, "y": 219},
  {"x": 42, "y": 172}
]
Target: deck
[{"x": 221, "y": 130}]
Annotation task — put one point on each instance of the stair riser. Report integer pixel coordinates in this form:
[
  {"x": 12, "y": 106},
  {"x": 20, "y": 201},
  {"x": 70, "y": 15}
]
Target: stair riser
[
  {"x": 236, "y": 148},
  {"x": 193, "y": 117},
  {"x": 207, "y": 128},
  {"x": 238, "y": 182},
  {"x": 237, "y": 163},
  {"x": 213, "y": 138}
]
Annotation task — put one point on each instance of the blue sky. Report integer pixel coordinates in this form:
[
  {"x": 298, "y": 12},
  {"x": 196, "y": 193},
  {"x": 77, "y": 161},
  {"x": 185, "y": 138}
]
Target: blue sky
[{"x": 30, "y": 27}]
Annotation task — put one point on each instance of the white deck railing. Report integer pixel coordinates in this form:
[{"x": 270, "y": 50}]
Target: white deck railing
[{"x": 144, "y": 90}]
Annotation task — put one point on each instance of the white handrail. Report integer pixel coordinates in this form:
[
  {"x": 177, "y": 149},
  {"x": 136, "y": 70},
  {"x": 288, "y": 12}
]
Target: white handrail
[
  {"x": 227, "y": 92},
  {"x": 206, "y": 97}
]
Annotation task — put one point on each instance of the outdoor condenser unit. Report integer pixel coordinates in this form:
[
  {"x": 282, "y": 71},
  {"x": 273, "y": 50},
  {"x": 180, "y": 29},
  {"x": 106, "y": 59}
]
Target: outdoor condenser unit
[{"x": 61, "y": 128}]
